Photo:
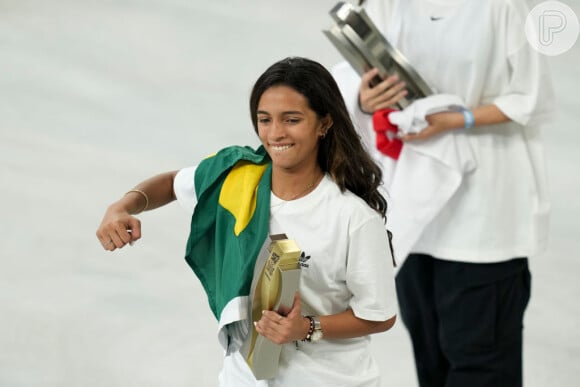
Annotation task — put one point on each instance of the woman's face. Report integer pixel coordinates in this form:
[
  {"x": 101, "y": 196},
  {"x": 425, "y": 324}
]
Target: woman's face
[{"x": 289, "y": 129}]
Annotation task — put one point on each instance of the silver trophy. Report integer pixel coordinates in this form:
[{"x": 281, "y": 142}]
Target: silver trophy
[{"x": 364, "y": 47}]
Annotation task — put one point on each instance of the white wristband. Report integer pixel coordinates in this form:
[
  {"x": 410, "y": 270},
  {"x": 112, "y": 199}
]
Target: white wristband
[{"x": 468, "y": 118}]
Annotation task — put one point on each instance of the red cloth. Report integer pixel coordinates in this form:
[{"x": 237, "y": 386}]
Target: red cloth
[{"x": 387, "y": 142}]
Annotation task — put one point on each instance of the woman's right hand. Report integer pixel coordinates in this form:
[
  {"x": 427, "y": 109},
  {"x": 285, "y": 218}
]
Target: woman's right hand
[
  {"x": 118, "y": 228},
  {"x": 381, "y": 96}
]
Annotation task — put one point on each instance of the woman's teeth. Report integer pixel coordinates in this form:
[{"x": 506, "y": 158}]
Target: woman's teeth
[{"x": 280, "y": 148}]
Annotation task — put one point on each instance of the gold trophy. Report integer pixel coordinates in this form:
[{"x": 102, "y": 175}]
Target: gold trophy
[{"x": 274, "y": 290}]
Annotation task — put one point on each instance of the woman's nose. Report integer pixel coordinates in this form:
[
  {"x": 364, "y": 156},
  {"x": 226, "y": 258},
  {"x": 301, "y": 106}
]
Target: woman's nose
[{"x": 278, "y": 130}]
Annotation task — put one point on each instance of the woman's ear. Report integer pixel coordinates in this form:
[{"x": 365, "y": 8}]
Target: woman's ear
[{"x": 325, "y": 125}]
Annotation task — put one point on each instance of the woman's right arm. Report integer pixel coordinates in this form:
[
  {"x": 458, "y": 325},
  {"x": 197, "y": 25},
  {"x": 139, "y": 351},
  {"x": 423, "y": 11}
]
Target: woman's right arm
[{"x": 119, "y": 225}]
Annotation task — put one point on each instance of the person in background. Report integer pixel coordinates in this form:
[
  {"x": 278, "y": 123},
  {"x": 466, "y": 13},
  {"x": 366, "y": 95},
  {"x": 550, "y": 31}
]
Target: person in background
[
  {"x": 312, "y": 180},
  {"x": 465, "y": 284}
]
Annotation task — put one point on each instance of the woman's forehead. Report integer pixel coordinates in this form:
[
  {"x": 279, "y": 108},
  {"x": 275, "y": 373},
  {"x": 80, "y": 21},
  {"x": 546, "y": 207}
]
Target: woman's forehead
[{"x": 282, "y": 99}]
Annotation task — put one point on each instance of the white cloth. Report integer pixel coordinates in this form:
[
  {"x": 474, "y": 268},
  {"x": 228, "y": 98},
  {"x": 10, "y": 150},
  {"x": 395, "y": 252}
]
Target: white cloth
[
  {"x": 478, "y": 51},
  {"x": 412, "y": 119},
  {"x": 347, "y": 264},
  {"x": 427, "y": 173}
]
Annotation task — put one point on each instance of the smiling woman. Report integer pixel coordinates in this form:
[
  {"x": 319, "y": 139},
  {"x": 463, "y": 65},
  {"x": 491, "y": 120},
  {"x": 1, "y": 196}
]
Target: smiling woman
[
  {"x": 290, "y": 132},
  {"x": 312, "y": 169}
]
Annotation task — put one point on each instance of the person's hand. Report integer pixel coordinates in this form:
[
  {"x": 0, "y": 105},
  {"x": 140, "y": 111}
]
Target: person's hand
[
  {"x": 437, "y": 123},
  {"x": 118, "y": 228},
  {"x": 281, "y": 327},
  {"x": 381, "y": 96}
]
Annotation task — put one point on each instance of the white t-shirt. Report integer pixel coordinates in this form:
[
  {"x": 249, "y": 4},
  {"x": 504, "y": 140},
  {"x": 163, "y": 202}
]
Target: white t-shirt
[
  {"x": 347, "y": 265},
  {"x": 478, "y": 51}
]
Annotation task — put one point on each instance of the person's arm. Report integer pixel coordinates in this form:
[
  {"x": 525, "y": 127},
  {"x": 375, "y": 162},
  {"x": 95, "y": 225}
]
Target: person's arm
[
  {"x": 445, "y": 121},
  {"x": 119, "y": 227},
  {"x": 346, "y": 325},
  {"x": 282, "y": 328}
]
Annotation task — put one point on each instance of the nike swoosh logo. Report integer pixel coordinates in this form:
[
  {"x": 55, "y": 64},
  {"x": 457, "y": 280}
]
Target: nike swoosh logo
[{"x": 433, "y": 18}]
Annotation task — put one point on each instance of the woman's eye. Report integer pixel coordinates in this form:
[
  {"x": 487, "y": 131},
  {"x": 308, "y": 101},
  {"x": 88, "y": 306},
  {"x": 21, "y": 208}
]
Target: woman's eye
[
  {"x": 263, "y": 120},
  {"x": 293, "y": 120}
]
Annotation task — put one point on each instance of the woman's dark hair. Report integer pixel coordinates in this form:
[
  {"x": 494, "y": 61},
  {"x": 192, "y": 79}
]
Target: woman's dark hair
[{"x": 340, "y": 152}]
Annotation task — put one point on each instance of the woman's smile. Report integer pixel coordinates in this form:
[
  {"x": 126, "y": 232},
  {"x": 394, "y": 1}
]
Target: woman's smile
[{"x": 280, "y": 148}]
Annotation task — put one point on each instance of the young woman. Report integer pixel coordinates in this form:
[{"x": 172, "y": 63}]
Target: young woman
[{"x": 311, "y": 180}]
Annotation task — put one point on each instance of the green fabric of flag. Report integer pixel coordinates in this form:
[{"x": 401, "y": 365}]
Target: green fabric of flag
[{"x": 230, "y": 222}]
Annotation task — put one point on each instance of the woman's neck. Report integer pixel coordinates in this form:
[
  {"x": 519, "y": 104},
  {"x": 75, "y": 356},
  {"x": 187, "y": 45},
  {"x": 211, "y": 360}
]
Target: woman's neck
[{"x": 294, "y": 185}]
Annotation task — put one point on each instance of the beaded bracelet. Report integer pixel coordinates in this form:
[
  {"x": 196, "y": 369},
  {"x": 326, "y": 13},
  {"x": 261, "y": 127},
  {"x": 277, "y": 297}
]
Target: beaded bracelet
[
  {"x": 310, "y": 329},
  {"x": 142, "y": 194}
]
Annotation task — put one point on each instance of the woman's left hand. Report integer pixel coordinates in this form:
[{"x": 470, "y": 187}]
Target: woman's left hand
[
  {"x": 437, "y": 123},
  {"x": 283, "y": 327}
]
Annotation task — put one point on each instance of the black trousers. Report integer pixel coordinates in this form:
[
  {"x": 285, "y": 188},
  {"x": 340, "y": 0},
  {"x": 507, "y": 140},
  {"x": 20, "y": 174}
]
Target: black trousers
[{"x": 465, "y": 320}]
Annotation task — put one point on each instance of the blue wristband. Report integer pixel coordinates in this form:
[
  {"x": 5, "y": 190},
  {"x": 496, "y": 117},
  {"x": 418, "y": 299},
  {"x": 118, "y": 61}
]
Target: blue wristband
[{"x": 468, "y": 118}]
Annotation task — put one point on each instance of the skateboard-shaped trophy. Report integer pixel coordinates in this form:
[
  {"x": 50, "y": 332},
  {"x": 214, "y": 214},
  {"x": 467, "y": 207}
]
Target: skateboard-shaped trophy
[
  {"x": 359, "y": 41},
  {"x": 274, "y": 290}
]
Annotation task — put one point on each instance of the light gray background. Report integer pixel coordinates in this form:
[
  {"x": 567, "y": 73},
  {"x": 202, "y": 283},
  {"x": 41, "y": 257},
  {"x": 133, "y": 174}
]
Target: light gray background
[{"x": 97, "y": 95}]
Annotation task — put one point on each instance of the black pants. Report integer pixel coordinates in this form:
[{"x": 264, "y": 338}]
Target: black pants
[{"x": 465, "y": 320}]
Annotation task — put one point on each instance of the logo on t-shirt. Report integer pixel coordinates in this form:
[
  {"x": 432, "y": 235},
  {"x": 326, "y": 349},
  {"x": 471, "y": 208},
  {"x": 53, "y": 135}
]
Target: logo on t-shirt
[{"x": 302, "y": 261}]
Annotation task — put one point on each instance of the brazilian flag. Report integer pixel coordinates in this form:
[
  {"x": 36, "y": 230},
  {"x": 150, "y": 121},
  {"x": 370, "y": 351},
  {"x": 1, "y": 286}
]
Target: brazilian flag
[{"x": 230, "y": 222}]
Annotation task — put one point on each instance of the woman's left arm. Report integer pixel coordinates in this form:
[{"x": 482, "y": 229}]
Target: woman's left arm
[
  {"x": 281, "y": 327},
  {"x": 445, "y": 121},
  {"x": 346, "y": 325}
]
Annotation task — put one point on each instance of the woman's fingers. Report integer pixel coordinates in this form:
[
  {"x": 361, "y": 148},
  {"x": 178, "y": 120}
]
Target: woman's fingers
[
  {"x": 116, "y": 233},
  {"x": 381, "y": 96},
  {"x": 388, "y": 93},
  {"x": 107, "y": 243},
  {"x": 280, "y": 328},
  {"x": 391, "y": 100},
  {"x": 134, "y": 228},
  {"x": 272, "y": 326},
  {"x": 367, "y": 78},
  {"x": 111, "y": 240}
]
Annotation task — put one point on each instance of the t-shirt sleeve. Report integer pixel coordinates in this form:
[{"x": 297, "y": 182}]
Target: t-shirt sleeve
[
  {"x": 528, "y": 93},
  {"x": 184, "y": 188},
  {"x": 370, "y": 273}
]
